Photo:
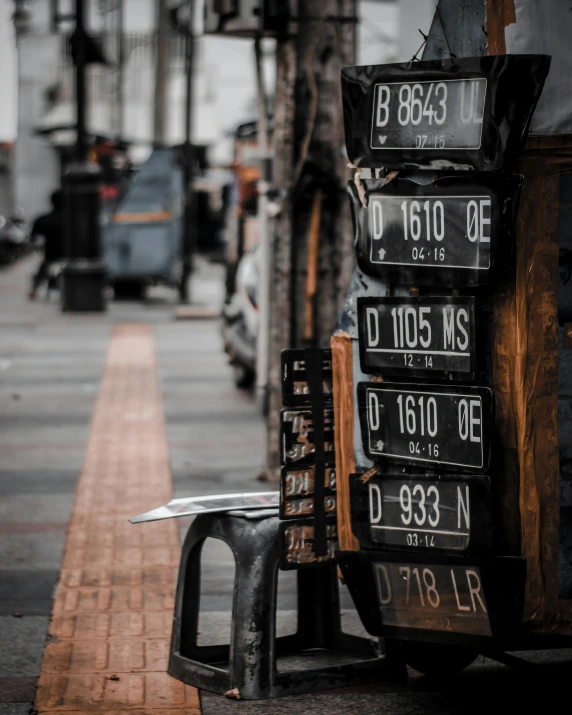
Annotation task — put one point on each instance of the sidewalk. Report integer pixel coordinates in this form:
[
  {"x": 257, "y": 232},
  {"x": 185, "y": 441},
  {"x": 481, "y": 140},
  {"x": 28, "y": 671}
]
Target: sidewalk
[{"x": 50, "y": 370}]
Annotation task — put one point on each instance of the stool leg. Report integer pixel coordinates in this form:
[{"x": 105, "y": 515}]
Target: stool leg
[
  {"x": 319, "y": 616},
  {"x": 253, "y": 656},
  {"x": 187, "y": 599}
]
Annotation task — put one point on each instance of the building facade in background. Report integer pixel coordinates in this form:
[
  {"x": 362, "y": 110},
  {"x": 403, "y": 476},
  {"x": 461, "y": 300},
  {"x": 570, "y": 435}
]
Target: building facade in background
[
  {"x": 9, "y": 95},
  {"x": 224, "y": 94}
]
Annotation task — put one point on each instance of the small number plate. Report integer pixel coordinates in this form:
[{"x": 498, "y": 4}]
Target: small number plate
[
  {"x": 420, "y": 337},
  {"x": 423, "y": 513},
  {"x": 297, "y": 438},
  {"x": 429, "y": 424},
  {"x": 297, "y": 543},
  {"x": 297, "y": 491},
  {"x": 433, "y": 597},
  {"x": 295, "y": 388}
]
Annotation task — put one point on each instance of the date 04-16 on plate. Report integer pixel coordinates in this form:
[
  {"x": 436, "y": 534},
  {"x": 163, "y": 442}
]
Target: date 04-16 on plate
[{"x": 429, "y": 424}]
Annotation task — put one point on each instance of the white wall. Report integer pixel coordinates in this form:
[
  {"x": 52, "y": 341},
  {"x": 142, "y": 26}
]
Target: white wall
[
  {"x": 414, "y": 15},
  {"x": 378, "y": 32},
  {"x": 36, "y": 165},
  {"x": 8, "y": 74}
]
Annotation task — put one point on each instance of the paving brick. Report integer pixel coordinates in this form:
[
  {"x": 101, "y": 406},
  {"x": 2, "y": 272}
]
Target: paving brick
[
  {"x": 114, "y": 656},
  {"x": 113, "y": 610},
  {"x": 112, "y": 625},
  {"x": 97, "y": 692}
]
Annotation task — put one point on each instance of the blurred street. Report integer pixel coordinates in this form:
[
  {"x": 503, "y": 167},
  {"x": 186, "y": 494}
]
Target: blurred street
[{"x": 50, "y": 370}]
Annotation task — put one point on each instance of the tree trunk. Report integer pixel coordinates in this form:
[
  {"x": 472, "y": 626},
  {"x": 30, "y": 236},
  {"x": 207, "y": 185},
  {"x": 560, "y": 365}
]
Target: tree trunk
[{"x": 310, "y": 272}]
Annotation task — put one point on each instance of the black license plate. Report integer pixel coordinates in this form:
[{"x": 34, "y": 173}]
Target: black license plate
[
  {"x": 429, "y": 424},
  {"x": 449, "y": 232},
  {"x": 303, "y": 507},
  {"x": 298, "y": 482},
  {"x": 423, "y": 513},
  {"x": 297, "y": 490},
  {"x": 295, "y": 381},
  {"x": 297, "y": 543},
  {"x": 420, "y": 337},
  {"x": 298, "y": 439},
  {"x": 428, "y": 115},
  {"x": 433, "y": 597},
  {"x": 469, "y": 113}
]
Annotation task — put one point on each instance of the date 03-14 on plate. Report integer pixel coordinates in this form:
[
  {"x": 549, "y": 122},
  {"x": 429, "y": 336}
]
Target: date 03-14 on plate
[{"x": 447, "y": 512}]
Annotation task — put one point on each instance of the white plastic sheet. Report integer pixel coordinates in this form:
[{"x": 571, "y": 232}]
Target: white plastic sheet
[{"x": 191, "y": 506}]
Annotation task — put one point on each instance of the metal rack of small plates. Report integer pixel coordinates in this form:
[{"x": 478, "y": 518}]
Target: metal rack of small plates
[
  {"x": 433, "y": 230},
  {"x": 308, "y": 474}
]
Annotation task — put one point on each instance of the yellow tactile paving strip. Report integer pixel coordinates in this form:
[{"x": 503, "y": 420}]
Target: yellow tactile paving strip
[{"x": 111, "y": 621}]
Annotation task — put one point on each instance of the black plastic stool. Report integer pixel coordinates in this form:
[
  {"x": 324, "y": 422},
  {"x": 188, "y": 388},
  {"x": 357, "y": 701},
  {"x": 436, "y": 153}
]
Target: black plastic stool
[{"x": 318, "y": 656}]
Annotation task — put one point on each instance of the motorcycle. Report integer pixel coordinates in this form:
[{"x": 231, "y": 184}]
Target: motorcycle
[{"x": 14, "y": 239}]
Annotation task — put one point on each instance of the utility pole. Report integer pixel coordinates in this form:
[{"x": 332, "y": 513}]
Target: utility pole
[
  {"x": 161, "y": 74},
  {"x": 83, "y": 276},
  {"x": 312, "y": 254},
  {"x": 80, "y": 88},
  {"x": 263, "y": 338}
]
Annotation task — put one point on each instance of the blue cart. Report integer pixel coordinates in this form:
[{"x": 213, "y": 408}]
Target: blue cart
[{"x": 143, "y": 238}]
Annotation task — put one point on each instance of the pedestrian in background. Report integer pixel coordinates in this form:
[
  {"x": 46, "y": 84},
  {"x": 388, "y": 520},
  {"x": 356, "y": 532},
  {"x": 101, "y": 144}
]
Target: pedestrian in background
[{"x": 51, "y": 227}]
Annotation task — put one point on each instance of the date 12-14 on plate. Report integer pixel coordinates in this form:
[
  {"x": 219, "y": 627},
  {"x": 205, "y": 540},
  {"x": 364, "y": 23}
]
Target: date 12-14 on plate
[{"x": 418, "y": 336}]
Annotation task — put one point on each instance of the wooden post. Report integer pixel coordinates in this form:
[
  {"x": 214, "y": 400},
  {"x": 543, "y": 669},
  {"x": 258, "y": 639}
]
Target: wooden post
[{"x": 308, "y": 143}]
